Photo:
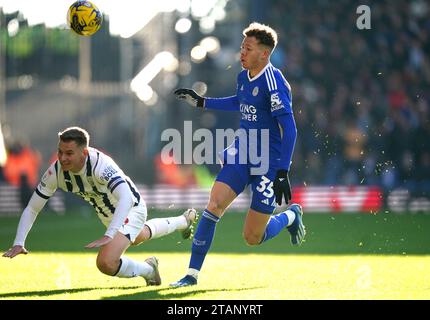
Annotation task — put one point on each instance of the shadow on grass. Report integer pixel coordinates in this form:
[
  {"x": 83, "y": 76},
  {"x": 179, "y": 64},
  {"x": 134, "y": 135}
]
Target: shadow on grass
[
  {"x": 153, "y": 294},
  {"x": 48, "y": 293},
  {"x": 173, "y": 293}
]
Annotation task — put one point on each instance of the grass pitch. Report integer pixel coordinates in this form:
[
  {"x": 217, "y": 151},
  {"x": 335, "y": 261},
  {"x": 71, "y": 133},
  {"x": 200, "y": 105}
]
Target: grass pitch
[
  {"x": 361, "y": 257},
  {"x": 226, "y": 276}
]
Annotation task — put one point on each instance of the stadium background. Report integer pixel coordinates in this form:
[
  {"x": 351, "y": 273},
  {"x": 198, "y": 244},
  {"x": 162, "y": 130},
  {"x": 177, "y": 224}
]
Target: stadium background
[
  {"x": 360, "y": 97},
  {"x": 361, "y": 166}
]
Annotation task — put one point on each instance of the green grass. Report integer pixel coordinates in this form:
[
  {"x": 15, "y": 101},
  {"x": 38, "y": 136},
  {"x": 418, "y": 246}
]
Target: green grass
[
  {"x": 225, "y": 276},
  {"x": 381, "y": 256},
  {"x": 326, "y": 234}
]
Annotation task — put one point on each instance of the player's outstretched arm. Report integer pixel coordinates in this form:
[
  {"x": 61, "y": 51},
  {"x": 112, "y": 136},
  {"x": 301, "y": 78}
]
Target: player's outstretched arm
[
  {"x": 191, "y": 97},
  {"x": 14, "y": 251},
  {"x": 281, "y": 185},
  {"x": 35, "y": 205},
  {"x": 225, "y": 103},
  {"x": 125, "y": 203}
]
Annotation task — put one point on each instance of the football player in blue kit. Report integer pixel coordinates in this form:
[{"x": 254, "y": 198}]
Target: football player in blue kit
[{"x": 263, "y": 96}]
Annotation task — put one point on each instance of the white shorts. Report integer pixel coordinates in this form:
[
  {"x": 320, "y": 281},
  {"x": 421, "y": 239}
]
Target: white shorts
[{"x": 134, "y": 223}]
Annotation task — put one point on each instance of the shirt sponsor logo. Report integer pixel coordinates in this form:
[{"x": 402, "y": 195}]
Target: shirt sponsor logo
[
  {"x": 249, "y": 112},
  {"x": 275, "y": 102},
  {"x": 108, "y": 173}
]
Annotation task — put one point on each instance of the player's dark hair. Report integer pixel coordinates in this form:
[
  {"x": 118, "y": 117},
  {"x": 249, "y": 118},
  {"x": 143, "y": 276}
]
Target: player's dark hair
[
  {"x": 77, "y": 134},
  {"x": 264, "y": 34}
]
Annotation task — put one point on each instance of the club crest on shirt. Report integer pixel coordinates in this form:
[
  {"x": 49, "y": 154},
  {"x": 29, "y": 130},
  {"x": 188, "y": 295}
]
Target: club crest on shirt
[
  {"x": 255, "y": 91},
  {"x": 276, "y": 102}
]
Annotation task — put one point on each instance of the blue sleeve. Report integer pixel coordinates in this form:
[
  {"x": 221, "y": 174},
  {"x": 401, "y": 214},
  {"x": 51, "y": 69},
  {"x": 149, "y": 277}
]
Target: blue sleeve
[
  {"x": 289, "y": 135},
  {"x": 280, "y": 94},
  {"x": 226, "y": 104},
  {"x": 280, "y": 102}
]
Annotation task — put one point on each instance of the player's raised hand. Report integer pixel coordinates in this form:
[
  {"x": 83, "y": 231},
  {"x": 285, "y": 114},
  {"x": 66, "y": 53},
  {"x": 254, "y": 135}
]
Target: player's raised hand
[
  {"x": 98, "y": 243},
  {"x": 14, "y": 251},
  {"x": 191, "y": 97},
  {"x": 281, "y": 186}
]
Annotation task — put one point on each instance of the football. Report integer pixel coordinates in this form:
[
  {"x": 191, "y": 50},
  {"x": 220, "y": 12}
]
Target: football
[{"x": 84, "y": 18}]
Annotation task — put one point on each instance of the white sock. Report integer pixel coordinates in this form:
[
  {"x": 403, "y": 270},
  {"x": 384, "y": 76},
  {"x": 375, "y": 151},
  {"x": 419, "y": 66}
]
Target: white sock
[
  {"x": 130, "y": 268},
  {"x": 193, "y": 272},
  {"x": 291, "y": 217},
  {"x": 163, "y": 226}
]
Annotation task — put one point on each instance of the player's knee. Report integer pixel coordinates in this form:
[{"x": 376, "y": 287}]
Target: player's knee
[
  {"x": 106, "y": 265},
  {"x": 252, "y": 238}
]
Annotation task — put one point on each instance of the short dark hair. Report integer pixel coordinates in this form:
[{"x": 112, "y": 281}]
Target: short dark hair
[
  {"x": 77, "y": 134},
  {"x": 264, "y": 34}
]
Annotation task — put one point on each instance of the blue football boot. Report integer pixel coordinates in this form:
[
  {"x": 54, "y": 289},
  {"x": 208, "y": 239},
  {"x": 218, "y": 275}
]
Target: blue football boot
[{"x": 185, "y": 282}]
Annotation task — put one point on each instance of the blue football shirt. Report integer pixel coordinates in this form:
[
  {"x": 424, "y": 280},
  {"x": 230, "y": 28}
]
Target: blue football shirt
[{"x": 261, "y": 99}]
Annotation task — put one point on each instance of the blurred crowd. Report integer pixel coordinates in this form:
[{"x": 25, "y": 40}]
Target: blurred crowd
[
  {"x": 361, "y": 97},
  {"x": 21, "y": 169}
]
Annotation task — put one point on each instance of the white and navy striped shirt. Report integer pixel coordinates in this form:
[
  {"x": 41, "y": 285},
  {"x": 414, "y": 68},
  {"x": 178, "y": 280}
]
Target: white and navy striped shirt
[{"x": 95, "y": 183}]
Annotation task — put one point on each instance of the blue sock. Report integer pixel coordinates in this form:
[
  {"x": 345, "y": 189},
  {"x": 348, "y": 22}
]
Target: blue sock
[
  {"x": 276, "y": 224},
  {"x": 203, "y": 239}
]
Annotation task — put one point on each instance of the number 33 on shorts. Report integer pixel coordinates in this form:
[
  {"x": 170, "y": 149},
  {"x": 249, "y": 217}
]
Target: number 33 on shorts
[
  {"x": 263, "y": 196},
  {"x": 265, "y": 187}
]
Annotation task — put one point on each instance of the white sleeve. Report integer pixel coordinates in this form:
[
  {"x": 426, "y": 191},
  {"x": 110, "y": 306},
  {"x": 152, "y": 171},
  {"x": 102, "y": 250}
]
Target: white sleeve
[
  {"x": 48, "y": 184},
  {"x": 29, "y": 215},
  {"x": 125, "y": 203},
  {"x": 106, "y": 170},
  {"x": 44, "y": 190}
]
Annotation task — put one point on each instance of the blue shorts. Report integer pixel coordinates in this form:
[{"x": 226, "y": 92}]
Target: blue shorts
[{"x": 237, "y": 177}]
